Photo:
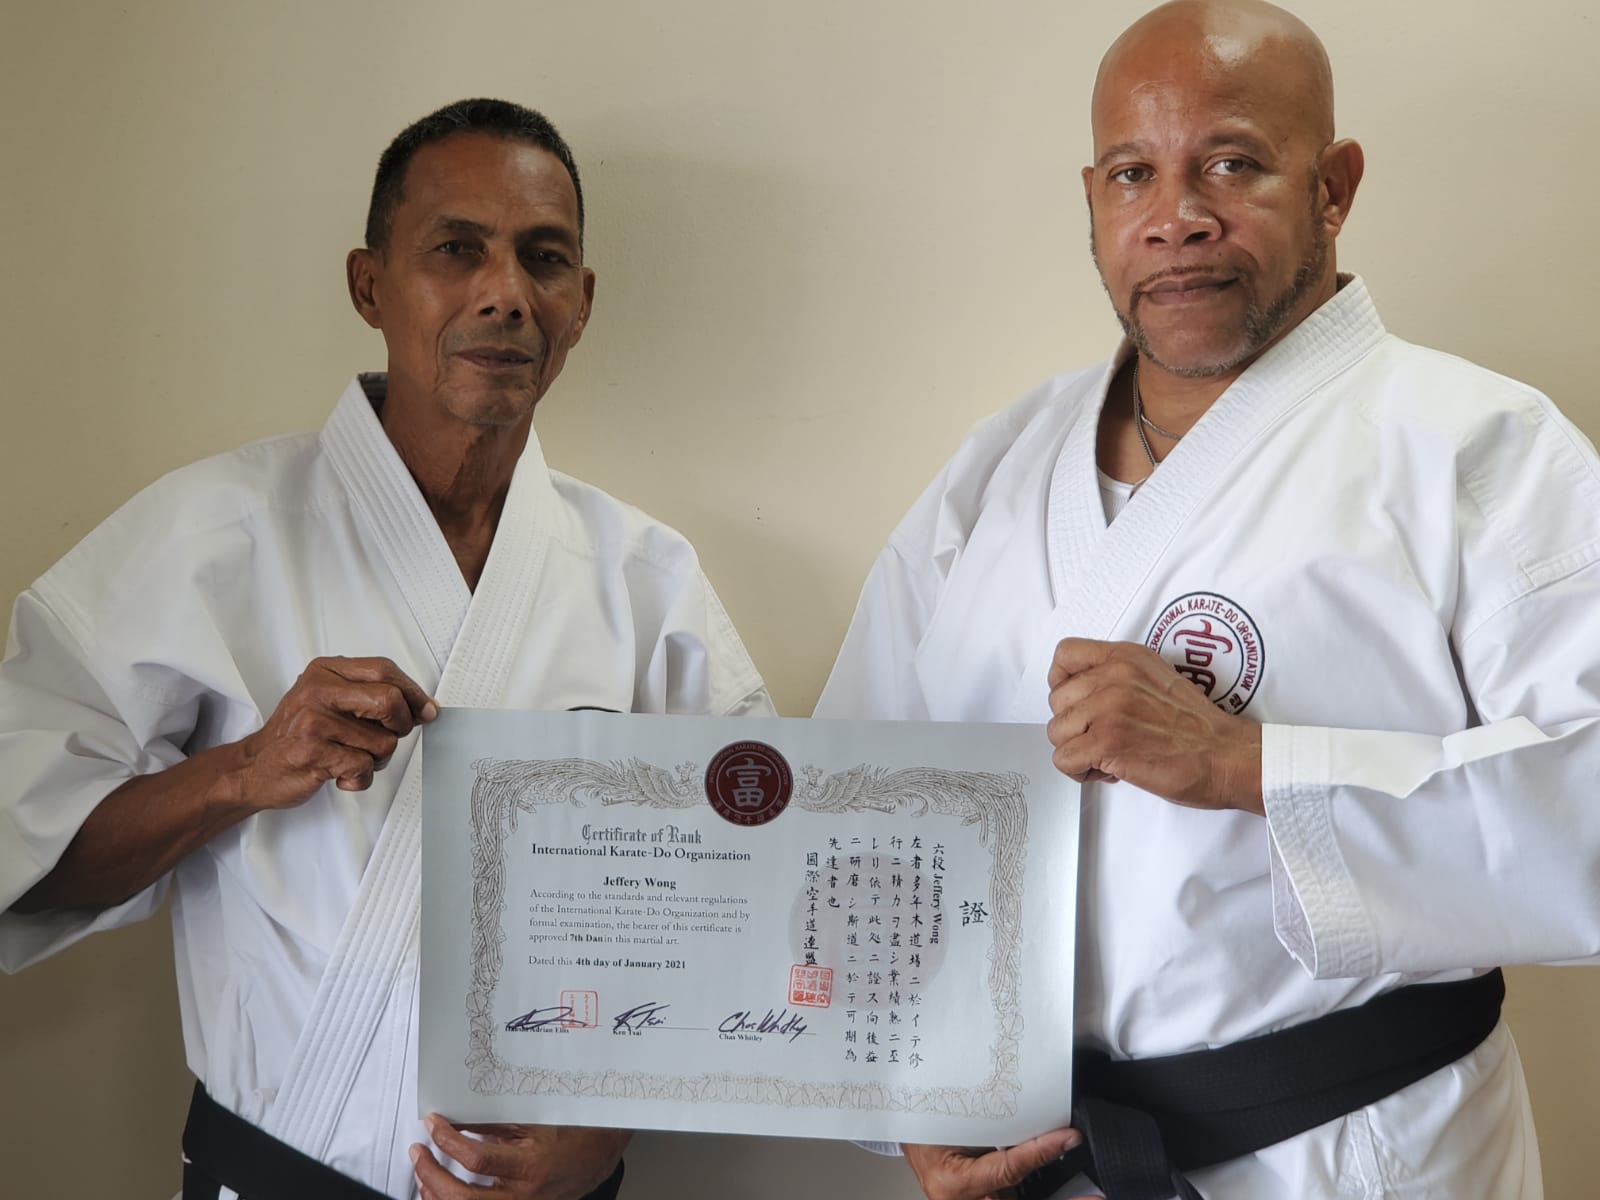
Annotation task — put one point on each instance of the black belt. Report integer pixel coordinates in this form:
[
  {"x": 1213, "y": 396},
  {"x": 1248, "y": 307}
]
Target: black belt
[
  {"x": 221, "y": 1148},
  {"x": 1147, "y": 1121}
]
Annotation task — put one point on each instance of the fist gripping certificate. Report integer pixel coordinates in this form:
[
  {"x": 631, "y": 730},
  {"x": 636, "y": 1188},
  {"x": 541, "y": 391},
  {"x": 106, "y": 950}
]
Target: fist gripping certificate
[{"x": 747, "y": 925}]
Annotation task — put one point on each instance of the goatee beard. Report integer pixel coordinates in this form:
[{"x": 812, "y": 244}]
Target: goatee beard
[{"x": 1262, "y": 324}]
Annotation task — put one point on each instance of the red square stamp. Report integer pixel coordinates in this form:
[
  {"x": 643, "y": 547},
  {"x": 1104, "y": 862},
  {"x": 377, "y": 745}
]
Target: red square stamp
[
  {"x": 811, "y": 986},
  {"x": 583, "y": 1010}
]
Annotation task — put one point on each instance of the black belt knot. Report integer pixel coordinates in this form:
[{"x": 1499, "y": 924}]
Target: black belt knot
[
  {"x": 1147, "y": 1121},
  {"x": 221, "y": 1148}
]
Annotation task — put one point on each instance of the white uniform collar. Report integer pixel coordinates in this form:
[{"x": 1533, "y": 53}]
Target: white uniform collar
[
  {"x": 400, "y": 520},
  {"x": 1094, "y": 570}
]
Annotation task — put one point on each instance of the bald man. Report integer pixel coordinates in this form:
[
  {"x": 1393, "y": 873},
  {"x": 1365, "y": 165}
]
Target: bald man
[{"x": 1314, "y": 616}]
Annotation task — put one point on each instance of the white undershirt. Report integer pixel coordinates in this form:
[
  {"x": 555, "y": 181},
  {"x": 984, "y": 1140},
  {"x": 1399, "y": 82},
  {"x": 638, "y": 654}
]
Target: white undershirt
[{"x": 1114, "y": 495}]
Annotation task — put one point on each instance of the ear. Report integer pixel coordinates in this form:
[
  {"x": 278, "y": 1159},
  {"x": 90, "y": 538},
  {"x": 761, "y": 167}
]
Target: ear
[
  {"x": 361, "y": 277},
  {"x": 1088, "y": 187},
  {"x": 1342, "y": 166},
  {"x": 582, "y": 322}
]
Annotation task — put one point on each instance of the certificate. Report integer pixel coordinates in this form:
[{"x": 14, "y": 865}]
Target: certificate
[{"x": 828, "y": 929}]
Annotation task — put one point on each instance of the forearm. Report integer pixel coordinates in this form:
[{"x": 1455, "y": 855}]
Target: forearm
[{"x": 143, "y": 829}]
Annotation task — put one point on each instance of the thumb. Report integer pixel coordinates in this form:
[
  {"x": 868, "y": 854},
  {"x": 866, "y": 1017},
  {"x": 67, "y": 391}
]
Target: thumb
[{"x": 1008, "y": 1167}]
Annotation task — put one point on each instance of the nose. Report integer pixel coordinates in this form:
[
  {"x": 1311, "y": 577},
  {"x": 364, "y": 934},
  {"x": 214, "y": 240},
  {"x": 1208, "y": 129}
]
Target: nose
[
  {"x": 1179, "y": 215},
  {"x": 503, "y": 288}
]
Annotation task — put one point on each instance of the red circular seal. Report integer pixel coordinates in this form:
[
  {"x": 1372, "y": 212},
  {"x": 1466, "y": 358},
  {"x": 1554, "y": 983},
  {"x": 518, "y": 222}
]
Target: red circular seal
[
  {"x": 748, "y": 783},
  {"x": 1213, "y": 642}
]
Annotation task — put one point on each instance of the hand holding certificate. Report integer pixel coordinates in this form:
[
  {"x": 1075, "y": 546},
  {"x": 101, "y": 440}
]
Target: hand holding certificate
[{"x": 811, "y": 928}]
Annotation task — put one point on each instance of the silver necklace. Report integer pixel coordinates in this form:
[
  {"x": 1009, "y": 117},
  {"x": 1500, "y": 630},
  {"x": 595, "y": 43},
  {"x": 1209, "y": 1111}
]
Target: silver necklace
[
  {"x": 1139, "y": 422},
  {"x": 1144, "y": 417}
]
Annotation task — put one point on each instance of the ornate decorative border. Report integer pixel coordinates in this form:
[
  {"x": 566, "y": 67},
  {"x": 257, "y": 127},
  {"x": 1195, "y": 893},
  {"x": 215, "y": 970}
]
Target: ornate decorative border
[{"x": 995, "y": 802}]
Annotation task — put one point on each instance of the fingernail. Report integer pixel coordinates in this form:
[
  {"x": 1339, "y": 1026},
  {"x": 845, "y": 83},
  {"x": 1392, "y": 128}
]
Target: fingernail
[
  {"x": 430, "y": 710},
  {"x": 414, "y": 1153}
]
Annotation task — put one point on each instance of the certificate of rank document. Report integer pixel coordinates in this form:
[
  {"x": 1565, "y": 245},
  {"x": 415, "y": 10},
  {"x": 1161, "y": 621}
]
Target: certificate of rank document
[{"x": 806, "y": 928}]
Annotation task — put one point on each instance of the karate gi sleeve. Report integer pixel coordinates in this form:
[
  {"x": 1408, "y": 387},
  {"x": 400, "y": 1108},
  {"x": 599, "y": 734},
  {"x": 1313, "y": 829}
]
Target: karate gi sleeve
[
  {"x": 70, "y": 733},
  {"x": 695, "y": 662},
  {"x": 874, "y": 676},
  {"x": 1402, "y": 852}
]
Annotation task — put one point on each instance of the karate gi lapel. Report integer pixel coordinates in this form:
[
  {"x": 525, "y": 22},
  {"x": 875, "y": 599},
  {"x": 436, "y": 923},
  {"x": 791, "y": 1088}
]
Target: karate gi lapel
[
  {"x": 469, "y": 633},
  {"x": 1097, "y": 571},
  {"x": 397, "y": 516}
]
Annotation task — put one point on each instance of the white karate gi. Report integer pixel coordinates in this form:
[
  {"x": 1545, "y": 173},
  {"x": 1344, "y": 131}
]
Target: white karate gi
[
  {"x": 1391, "y": 558},
  {"x": 178, "y": 625}
]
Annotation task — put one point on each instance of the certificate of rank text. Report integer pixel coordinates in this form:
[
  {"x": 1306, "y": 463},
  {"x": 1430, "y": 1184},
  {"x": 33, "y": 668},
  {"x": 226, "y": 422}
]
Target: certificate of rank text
[{"x": 833, "y": 929}]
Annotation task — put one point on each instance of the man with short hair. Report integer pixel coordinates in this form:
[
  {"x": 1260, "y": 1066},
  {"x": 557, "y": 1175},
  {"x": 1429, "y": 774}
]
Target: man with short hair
[
  {"x": 1314, "y": 617},
  {"x": 161, "y": 731}
]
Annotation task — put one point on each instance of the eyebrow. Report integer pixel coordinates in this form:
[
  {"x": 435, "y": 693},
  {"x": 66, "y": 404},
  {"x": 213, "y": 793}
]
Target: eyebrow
[
  {"x": 448, "y": 224},
  {"x": 1242, "y": 138},
  {"x": 561, "y": 235},
  {"x": 1118, "y": 151}
]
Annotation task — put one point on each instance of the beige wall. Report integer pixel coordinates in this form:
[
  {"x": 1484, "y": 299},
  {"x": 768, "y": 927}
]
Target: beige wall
[{"x": 829, "y": 236}]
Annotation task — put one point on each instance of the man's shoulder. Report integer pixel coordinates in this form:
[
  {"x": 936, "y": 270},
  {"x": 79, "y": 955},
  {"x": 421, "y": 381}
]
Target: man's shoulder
[
  {"x": 224, "y": 488},
  {"x": 1482, "y": 416},
  {"x": 1345, "y": 357},
  {"x": 1526, "y": 472},
  {"x": 261, "y": 469},
  {"x": 200, "y": 503},
  {"x": 591, "y": 521},
  {"x": 1051, "y": 406},
  {"x": 1003, "y": 458},
  {"x": 1422, "y": 382},
  {"x": 1021, "y": 439}
]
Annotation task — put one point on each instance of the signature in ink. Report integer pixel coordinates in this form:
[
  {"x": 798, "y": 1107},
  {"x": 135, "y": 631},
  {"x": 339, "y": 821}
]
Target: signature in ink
[
  {"x": 539, "y": 1018},
  {"x": 640, "y": 1016},
  {"x": 782, "y": 1022}
]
